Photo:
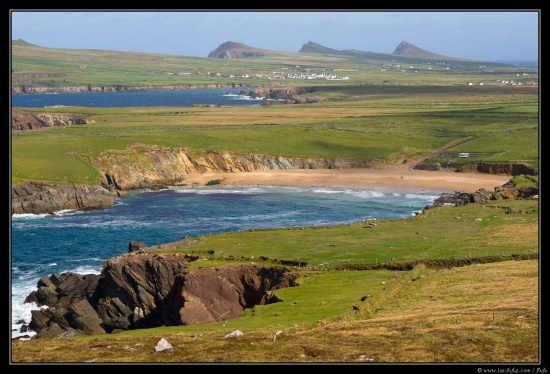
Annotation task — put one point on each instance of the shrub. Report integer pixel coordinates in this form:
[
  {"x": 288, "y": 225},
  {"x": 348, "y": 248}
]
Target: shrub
[{"x": 213, "y": 182}]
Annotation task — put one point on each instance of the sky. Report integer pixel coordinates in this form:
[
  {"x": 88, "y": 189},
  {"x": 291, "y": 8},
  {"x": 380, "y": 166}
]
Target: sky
[{"x": 485, "y": 35}]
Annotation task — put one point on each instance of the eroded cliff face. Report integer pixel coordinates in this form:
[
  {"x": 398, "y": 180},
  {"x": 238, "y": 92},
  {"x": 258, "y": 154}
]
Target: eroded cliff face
[
  {"x": 146, "y": 167},
  {"x": 141, "y": 166},
  {"x": 25, "y": 121},
  {"x": 22, "y": 89},
  {"x": 152, "y": 167},
  {"x": 141, "y": 290},
  {"x": 40, "y": 198}
]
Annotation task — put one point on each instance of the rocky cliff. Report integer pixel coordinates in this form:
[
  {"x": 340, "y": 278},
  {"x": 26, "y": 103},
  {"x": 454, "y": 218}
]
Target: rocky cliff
[
  {"x": 22, "y": 89},
  {"x": 141, "y": 289},
  {"x": 295, "y": 95},
  {"x": 153, "y": 167},
  {"x": 24, "y": 121},
  {"x": 506, "y": 191},
  {"x": 150, "y": 166},
  {"x": 40, "y": 198}
]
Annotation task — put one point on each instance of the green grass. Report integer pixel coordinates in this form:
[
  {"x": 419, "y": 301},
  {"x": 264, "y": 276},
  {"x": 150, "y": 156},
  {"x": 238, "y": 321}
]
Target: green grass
[
  {"x": 35, "y": 66},
  {"x": 458, "y": 232},
  {"x": 431, "y": 311},
  {"x": 395, "y": 125},
  {"x": 436, "y": 313}
]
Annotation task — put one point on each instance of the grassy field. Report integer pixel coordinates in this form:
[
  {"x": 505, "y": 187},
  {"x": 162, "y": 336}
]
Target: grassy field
[
  {"x": 437, "y": 312},
  {"x": 35, "y": 66},
  {"x": 391, "y": 124},
  {"x": 448, "y": 316},
  {"x": 468, "y": 288}
]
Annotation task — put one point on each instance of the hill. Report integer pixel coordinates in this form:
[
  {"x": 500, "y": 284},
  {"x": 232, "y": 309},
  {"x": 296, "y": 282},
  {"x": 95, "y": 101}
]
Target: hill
[
  {"x": 407, "y": 49},
  {"x": 372, "y": 292},
  {"x": 37, "y": 69},
  {"x": 312, "y": 47},
  {"x": 235, "y": 50},
  {"x": 22, "y": 43}
]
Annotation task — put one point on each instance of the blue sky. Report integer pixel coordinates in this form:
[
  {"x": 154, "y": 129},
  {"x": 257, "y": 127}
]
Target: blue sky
[{"x": 491, "y": 35}]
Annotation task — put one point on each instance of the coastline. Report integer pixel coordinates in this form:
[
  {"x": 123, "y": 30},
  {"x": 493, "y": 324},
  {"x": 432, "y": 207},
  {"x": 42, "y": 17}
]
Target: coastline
[{"x": 398, "y": 178}]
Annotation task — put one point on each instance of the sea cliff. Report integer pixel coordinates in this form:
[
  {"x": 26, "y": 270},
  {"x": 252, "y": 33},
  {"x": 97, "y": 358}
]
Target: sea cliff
[{"x": 154, "y": 167}]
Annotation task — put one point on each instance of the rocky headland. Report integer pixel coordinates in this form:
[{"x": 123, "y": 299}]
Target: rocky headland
[{"x": 142, "y": 289}]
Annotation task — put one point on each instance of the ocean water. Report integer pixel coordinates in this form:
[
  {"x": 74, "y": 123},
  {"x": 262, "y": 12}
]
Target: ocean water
[
  {"x": 162, "y": 98},
  {"x": 81, "y": 241}
]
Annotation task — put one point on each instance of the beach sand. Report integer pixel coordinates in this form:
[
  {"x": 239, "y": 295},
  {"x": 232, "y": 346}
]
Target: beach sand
[{"x": 398, "y": 178}]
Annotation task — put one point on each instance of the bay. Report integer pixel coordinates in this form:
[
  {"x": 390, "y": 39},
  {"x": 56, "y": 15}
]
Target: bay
[
  {"x": 80, "y": 241},
  {"x": 160, "y": 98}
]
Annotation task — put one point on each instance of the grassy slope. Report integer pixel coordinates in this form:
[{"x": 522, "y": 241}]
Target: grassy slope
[
  {"x": 459, "y": 314},
  {"x": 35, "y": 66},
  {"x": 479, "y": 313}
]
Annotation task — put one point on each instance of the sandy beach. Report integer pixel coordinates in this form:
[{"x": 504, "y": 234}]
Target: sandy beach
[{"x": 438, "y": 181}]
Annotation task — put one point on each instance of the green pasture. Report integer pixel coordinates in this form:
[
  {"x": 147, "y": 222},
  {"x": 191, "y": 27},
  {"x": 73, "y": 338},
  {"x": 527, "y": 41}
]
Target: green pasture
[
  {"x": 326, "y": 293},
  {"x": 35, "y": 66},
  {"x": 361, "y": 123},
  {"x": 329, "y": 287},
  {"x": 445, "y": 233}
]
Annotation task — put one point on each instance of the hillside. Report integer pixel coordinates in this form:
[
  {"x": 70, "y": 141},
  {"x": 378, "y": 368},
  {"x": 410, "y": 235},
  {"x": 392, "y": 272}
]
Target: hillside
[
  {"x": 407, "y": 49},
  {"x": 312, "y": 47},
  {"x": 404, "y": 49},
  {"x": 36, "y": 69},
  {"x": 235, "y": 50}
]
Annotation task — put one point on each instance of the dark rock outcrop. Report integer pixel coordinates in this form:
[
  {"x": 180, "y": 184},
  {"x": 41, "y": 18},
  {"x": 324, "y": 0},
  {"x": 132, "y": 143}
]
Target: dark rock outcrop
[
  {"x": 482, "y": 196},
  {"x": 141, "y": 290},
  {"x": 39, "y": 198},
  {"x": 295, "y": 95}
]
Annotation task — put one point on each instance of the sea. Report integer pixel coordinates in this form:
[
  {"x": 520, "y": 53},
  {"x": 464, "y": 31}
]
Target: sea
[
  {"x": 76, "y": 241},
  {"x": 161, "y": 98}
]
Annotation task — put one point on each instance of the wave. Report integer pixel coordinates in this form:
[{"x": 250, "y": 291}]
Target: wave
[
  {"x": 66, "y": 212},
  {"x": 25, "y": 216},
  {"x": 84, "y": 269},
  {"x": 419, "y": 196},
  {"x": 201, "y": 191}
]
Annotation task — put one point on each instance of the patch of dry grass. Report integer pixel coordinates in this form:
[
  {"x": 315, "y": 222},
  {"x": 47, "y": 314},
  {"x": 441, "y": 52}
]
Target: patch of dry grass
[{"x": 486, "y": 313}]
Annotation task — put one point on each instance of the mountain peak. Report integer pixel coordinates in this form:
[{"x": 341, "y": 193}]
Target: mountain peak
[
  {"x": 408, "y": 50},
  {"x": 311, "y": 47},
  {"x": 235, "y": 50}
]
